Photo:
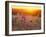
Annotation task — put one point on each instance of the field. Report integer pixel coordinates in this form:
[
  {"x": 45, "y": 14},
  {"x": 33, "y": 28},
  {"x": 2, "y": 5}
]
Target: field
[{"x": 25, "y": 19}]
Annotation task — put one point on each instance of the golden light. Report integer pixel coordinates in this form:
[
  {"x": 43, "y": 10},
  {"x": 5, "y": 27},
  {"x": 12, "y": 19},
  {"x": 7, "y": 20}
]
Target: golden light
[{"x": 26, "y": 10}]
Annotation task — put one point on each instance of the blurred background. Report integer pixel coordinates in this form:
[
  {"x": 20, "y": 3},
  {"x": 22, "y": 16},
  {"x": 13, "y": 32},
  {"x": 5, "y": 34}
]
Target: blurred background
[
  {"x": 26, "y": 18},
  {"x": 2, "y": 19}
]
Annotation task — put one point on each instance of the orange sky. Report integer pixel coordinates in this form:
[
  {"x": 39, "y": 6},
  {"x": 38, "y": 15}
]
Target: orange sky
[{"x": 26, "y": 10}]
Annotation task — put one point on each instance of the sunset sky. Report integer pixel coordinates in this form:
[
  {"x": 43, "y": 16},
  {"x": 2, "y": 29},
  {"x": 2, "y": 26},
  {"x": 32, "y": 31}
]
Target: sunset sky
[{"x": 26, "y": 9}]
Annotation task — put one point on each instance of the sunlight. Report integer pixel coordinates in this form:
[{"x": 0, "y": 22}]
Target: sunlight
[{"x": 26, "y": 10}]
